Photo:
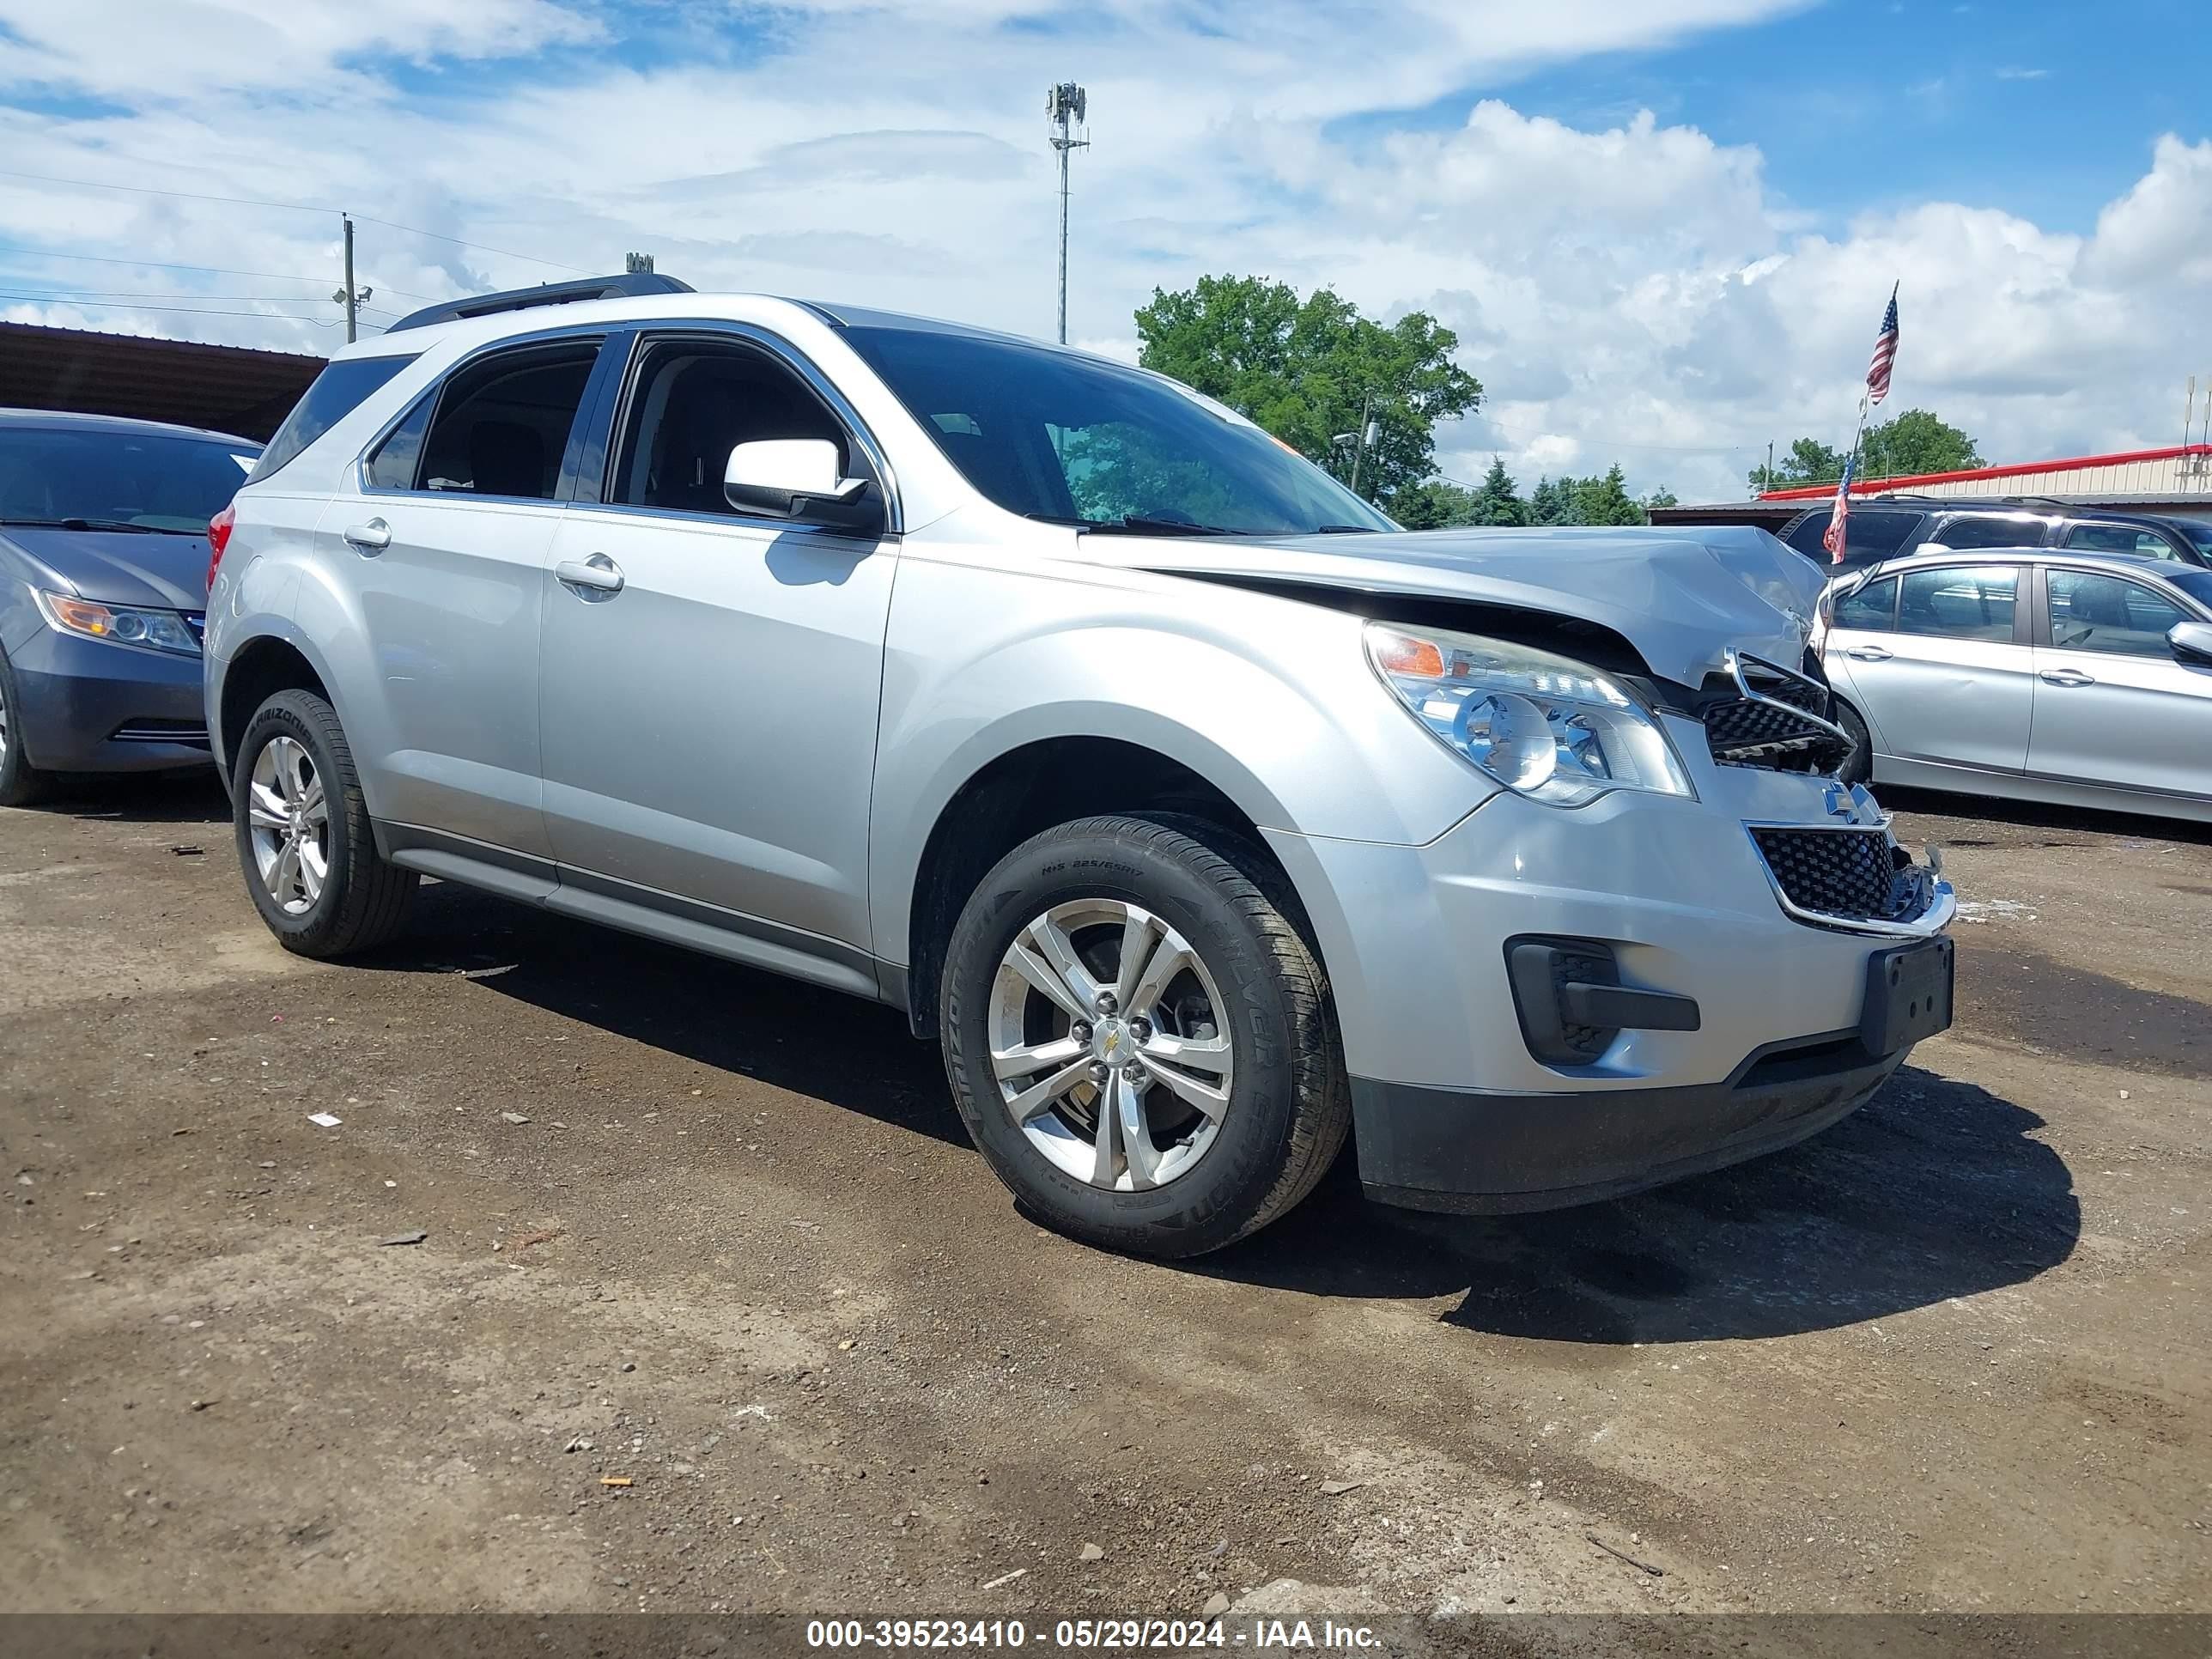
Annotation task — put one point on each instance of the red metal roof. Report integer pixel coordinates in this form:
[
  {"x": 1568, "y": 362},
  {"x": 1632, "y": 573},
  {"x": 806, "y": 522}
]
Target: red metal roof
[{"x": 2015, "y": 470}]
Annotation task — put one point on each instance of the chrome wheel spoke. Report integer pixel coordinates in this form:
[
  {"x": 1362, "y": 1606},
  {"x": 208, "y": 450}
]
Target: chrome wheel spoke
[
  {"x": 291, "y": 762},
  {"x": 1137, "y": 1149},
  {"x": 311, "y": 801},
  {"x": 1036, "y": 1100},
  {"x": 1204, "y": 1097},
  {"x": 286, "y": 876},
  {"x": 314, "y": 869},
  {"x": 1193, "y": 1054},
  {"x": 1029, "y": 1059},
  {"x": 1050, "y": 940},
  {"x": 265, "y": 807},
  {"x": 1041, "y": 974},
  {"x": 1106, "y": 1148},
  {"x": 1170, "y": 958}
]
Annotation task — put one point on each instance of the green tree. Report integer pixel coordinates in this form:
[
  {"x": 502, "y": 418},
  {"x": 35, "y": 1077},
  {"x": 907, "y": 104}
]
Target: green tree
[
  {"x": 1433, "y": 504},
  {"x": 1661, "y": 497},
  {"x": 1914, "y": 441},
  {"x": 1306, "y": 368},
  {"x": 1605, "y": 500},
  {"x": 1550, "y": 503},
  {"x": 1496, "y": 500}
]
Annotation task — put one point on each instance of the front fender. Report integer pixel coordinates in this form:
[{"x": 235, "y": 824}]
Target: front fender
[{"x": 1269, "y": 699}]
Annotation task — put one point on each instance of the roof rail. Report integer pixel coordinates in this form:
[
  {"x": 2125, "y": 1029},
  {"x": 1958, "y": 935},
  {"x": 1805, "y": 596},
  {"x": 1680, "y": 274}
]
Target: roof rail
[{"x": 630, "y": 284}]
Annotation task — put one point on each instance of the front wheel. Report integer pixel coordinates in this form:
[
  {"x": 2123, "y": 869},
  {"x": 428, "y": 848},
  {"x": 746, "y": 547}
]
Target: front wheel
[
  {"x": 1140, "y": 1038},
  {"x": 304, "y": 837},
  {"x": 21, "y": 784}
]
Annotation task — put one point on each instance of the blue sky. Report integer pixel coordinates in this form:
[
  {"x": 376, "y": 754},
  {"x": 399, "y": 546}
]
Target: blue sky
[{"x": 1662, "y": 231}]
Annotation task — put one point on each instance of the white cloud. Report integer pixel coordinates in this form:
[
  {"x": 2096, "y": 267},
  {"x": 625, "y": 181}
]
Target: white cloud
[{"x": 1639, "y": 292}]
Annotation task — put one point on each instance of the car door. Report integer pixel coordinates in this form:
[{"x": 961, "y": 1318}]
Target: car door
[
  {"x": 1947, "y": 682},
  {"x": 444, "y": 546},
  {"x": 2112, "y": 705},
  {"x": 713, "y": 678}
]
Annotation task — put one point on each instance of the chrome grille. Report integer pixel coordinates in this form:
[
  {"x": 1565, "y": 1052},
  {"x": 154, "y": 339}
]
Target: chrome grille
[
  {"x": 1850, "y": 874},
  {"x": 1775, "y": 719}
]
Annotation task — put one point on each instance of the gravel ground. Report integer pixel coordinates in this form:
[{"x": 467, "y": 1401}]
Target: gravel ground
[{"x": 715, "y": 1309}]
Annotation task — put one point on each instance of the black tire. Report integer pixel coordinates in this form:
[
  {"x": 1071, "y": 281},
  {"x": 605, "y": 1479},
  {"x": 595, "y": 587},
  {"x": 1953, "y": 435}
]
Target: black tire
[
  {"x": 1289, "y": 1106},
  {"x": 364, "y": 902},
  {"x": 1858, "y": 765},
  {"x": 21, "y": 784}
]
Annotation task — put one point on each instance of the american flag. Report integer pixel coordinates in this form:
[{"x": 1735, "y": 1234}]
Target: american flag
[
  {"x": 1885, "y": 353},
  {"x": 1832, "y": 537}
]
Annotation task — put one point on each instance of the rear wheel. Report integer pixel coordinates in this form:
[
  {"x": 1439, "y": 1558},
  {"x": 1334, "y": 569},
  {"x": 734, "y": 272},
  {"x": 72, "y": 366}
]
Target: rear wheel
[
  {"x": 304, "y": 837},
  {"x": 1141, "y": 1040},
  {"x": 21, "y": 784}
]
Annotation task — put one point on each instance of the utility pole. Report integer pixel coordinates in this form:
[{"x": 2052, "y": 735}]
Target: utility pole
[
  {"x": 349, "y": 296},
  {"x": 1066, "y": 109},
  {"x": 635, "y": 264},
  {"x": 1369, "y": 431}
]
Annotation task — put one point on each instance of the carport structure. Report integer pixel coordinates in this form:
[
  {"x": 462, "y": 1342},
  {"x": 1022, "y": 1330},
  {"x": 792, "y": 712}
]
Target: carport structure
[{"x": 231, "y": 389}]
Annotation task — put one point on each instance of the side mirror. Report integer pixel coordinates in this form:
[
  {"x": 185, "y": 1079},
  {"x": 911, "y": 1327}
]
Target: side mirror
[
  {"x": 2191, "y": 642},
  {"x": 798, "y": 478}
]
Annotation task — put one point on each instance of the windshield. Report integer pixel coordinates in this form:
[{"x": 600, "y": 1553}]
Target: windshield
[
  {"x": 2198, "y": 531},
  {"x": 118, "y": 479},
  {"x": 1052, "y": 436}
]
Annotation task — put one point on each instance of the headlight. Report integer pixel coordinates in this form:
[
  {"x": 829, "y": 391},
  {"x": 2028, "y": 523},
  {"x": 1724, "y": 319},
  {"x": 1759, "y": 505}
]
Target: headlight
[
  {"x": 1554, "y": 730},
  {"x": 157, "y": 630}
]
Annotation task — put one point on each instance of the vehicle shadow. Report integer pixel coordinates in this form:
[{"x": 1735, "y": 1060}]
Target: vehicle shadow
[
  {"x": 850, "y": 1053},
  {"x": 195, "y": 798},
  {"x": 1934, "y": 1189},
  {"x": 2069, "y": 821}
]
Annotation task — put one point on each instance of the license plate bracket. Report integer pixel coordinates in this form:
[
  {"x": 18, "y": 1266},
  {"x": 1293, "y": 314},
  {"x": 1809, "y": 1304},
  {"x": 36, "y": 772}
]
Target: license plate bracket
[{"x": 1908, "y": 994}]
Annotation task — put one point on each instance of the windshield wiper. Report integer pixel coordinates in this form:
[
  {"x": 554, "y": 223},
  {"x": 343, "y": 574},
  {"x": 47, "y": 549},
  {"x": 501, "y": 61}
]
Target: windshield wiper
[
  {"x": 1135, "y": 524},
  {"x": 1344, "y": 530},
  {"x": 88, "y": 523}
]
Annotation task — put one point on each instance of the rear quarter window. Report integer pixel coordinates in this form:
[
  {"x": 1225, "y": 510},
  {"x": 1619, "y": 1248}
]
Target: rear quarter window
[{"x": 341, "y": 388}]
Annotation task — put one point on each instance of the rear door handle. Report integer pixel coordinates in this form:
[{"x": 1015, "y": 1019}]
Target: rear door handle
[
  {"x": 370, "y": 537},
  {"x": 596, "y": 578},
  {"x": 1867, "y": 654},
  {"x": 2067, "y": 677}
]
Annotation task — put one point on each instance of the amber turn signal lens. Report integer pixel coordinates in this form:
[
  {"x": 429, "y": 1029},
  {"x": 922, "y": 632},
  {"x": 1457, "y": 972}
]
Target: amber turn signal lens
[
  {"x": 82, "y": 615},
  {"x": 1400, "y": 654}
]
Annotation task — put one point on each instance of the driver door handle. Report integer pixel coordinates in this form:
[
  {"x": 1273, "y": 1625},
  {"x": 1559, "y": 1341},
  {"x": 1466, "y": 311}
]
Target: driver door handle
[
  {"x": 1867, "y": 654},
  {"x": 370, "y": 537},
  {"x": 596, "y": 578},
  {"x": 2066, "y": 676}
]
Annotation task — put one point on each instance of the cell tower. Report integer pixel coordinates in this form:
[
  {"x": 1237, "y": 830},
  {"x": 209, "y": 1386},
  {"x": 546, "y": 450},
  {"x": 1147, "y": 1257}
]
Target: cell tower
[{"x": 1065, "y": 109}]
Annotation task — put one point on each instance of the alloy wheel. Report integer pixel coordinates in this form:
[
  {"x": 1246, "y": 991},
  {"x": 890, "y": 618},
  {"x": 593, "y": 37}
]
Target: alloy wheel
[
  {"x": 1109, "y": 1045},
  {"x": 288, "y": 815},
  {"x": 5, "y": 732}
]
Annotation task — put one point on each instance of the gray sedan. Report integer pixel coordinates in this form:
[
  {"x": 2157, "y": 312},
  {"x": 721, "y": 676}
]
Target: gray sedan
[
  {"x": 103, "y": 579},
  {"x": 2032, "y": 673}
]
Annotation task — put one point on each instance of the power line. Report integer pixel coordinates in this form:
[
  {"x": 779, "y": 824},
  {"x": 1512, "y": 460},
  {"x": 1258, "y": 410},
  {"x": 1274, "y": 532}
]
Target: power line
[
  {"x": 174, "y": 294},
  {"x": 285, "y": 206},
  {"x": 187, "y": 311},
  {"x": 212, "y": 270}
]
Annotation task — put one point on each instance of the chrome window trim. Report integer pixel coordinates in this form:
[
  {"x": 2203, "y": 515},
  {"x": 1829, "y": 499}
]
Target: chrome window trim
[
  {"x": 651, "y": 331},
  {"x": 1734, "y": 660},
  {"x": 597, "y": 334}
]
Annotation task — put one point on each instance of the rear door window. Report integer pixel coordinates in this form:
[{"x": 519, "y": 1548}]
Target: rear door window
[
  {"x": 2120, "y": 539},
  {"x": 2092, "y": 611},
  {"x": 1869, "y": 532},
  {"x": 340, "y": 389},
  {"x": 503, "y": 423},
  {"x": 1991, "y": 530},
  {"x": 1959, "y": 602}
]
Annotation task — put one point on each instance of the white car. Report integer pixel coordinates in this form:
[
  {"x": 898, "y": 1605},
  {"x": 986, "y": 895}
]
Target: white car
[{"x": 1202, "y": 815}]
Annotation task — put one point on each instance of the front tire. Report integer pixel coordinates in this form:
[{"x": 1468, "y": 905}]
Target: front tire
[
  {"x": 303, "y": 832},
  {"x": 1140, "y": 1038},
  {"x": 21, "y": 784}
]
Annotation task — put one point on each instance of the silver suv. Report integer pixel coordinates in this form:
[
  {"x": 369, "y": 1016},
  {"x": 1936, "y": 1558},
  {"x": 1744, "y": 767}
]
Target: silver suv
[{"x": 1203, "y": 816}]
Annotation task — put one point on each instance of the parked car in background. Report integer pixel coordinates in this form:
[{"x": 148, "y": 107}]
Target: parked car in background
[
  {"x": 103, "y": 582},
  {"x": 1202, "y": 815},
  {"x": 1895, "y": 526},
  {"x": 2033, "y": 673}
]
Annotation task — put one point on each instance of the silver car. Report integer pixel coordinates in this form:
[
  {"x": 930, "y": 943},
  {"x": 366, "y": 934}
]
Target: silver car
[
  {"x": 2032, "y": 673},
  {"x": 1203, "y": 817}
]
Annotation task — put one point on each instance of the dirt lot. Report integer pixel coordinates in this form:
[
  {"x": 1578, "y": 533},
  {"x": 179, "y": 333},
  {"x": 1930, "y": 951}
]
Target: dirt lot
[{"x": 721, "y": 1238}]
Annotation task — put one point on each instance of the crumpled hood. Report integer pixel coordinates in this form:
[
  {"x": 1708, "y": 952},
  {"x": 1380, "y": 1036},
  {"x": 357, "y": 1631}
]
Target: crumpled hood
[
  {"x": 1681, "y": 595},
  {"x": 119, "y": 567}
]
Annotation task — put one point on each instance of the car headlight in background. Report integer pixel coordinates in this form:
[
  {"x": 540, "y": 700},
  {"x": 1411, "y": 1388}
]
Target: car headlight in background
[
  {"x": 1554, "y": 730},
  {"x": 156, "y": 630}
]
